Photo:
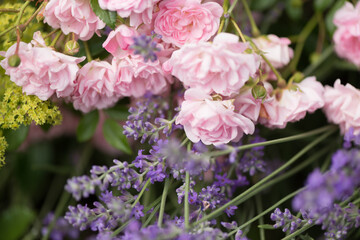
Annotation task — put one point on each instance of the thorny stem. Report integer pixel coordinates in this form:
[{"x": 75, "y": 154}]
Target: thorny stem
[
  {"x": 21, "y": 12},
  {"x": 9, "y": 10},
  {"x": 52, "y": 44}
]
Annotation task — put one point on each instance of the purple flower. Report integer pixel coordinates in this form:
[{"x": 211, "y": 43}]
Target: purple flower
[
  {"x": 230, "y": 210},
  {"x": 146, "y": 47},
  {"x": 138, "y": 211}
]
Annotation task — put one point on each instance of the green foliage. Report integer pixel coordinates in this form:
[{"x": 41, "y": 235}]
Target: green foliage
[
  {"x": 15, "y": 221},
  {"x": 3, "y": 146},
  {"x": 107, "y": 16},
  {"x": 113, "y": 134},
  {"x": 87, "y": 126}
]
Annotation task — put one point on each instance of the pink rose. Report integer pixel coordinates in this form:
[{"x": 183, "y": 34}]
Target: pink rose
[
  {"x": 127, "y": 7},
  {"x": 73, "y": 16},
  {"x": 342, "y": 106},
  {"x": 184, "y": 21},
  {"x": 291, "y": 105},
  {"x": 95, "y": 87},
  {"x": 248, "y": 106},
  {"x": 222, "y": 66},
  {"x": 211, "y": 121},
  {"x": 347, "y": 36},
  {"x": 42, "y": 71},
  {"x": 134, "y": 77},
  {"x": 119, "y": 41},
  {"x": 276, "y": 50}
]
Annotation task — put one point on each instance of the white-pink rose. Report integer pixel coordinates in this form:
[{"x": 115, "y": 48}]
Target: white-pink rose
[
  {"x": 347, "y": 36},
  {"x": 73, "y": 16},
  {"x": 222, "y": 66},
  {"x": 42, "y": 71},
  {"x": 95, "y": 87},
  {"x": 292, "y": 104},
  {"x": 134, "y": 77},
  {"x": 275, "y": 49},
  {"x": 184, "y": 21},
  {"x": 211, "y": 121},
  {"x": 125, "y": 7},
  {"x": 342, "y": 106}
]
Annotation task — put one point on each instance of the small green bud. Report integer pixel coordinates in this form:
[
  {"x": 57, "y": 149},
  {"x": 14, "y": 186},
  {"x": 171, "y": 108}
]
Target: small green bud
[
  {"x": 259, "y": 92},
  {"x": 314, "y": 57},
  {"x": 298, "y": 77},
  {"x": 248, "y": 51},
  {"x": 14, "y": 60},
  {"x": 71, "y": 47}
]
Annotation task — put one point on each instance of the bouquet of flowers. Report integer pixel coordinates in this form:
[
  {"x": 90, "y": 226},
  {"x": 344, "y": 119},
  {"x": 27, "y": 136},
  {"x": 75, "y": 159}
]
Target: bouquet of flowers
[{"x": 179, "y": 119}]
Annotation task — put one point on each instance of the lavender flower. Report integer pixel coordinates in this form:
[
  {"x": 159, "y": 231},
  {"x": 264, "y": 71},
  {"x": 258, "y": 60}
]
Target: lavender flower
[
  {"x": 143, "y": 118},
  {"x": 287, "y": 221},
  {"x": 62, "y": 229},
  {"x": 145, "y": 46}
]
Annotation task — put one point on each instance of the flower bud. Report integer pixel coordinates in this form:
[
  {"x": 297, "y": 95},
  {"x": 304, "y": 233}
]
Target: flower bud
[
  {"x": 71, "y": 47},
  {"x": 298, "y": 77},
  {"x": 259, "y": 91},
  {"x": 14, "y": 60}
]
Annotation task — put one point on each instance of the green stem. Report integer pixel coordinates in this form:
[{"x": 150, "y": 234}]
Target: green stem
[
  {"x": 141, "y": 193},
  {"x": 235, "y": 201},
  {"x": 65, "y": 196},
  {"x": 270, "y": 209},
  {"x": 238, "y": 30},
  {"x": 304, "y": 34},
  {"x": 254, "y": 29},
  {"x": 163, "y": 201},
  {"x": 21, "y": 12},
  {"x": 186, "y": 201},
  {"x": 233, "y": 5},
  {"x": 324, "y": 56},
  {"x": 275, "y": 141},
  {"x": 151, "y": 216},
  {"x": 87, "y": 51},
  {"x": 9, "y": 10},
  {"x": 261, "y": 219},
  {"x": 54, "y": 41},
  {"x": 301, "y": 230}
]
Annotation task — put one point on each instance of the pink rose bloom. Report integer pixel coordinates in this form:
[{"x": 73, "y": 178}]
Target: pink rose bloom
[
  {"x": 293, "y": 104},
  {"x": 342, "y": 106},
  {"x": 73, "y": 16},
  {"x": 184, "y": 21},
  {"x": 275, "y": 49},
  {"x": 347, "y": 36},
  {"x": 119, "y": 41},
  {"x": 248, "y": 106},
  {"x": 95, "y": 87},
  {"x": 211, "y": 121},
  {"x": 134, "y": 77},
  {"x": 222, "y": 66},
  {"x": 42, "y": 71}
]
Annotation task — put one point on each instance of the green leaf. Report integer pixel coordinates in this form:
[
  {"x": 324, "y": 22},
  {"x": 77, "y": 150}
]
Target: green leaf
[
  {"x": 113, "y": 134},
  {"x": 119, "y": 113},
  {"x": 321, "y": 5},
  {"x": 87, "y": 126},
  {"x": 266, "y": 226},
  {"x": 294, "y": 9},
  {"x": 108, "y": 17},
  {"x": 15, "y": 221},
  {"x": 16, "y": 137}
]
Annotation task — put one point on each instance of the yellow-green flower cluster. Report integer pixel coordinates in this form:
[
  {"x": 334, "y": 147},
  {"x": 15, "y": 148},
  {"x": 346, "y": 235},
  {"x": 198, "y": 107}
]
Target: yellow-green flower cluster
[
  {"x": 8, "y": 19},
  {"x": 17, "y": 108},
  {"x": 3, "y": 146}
]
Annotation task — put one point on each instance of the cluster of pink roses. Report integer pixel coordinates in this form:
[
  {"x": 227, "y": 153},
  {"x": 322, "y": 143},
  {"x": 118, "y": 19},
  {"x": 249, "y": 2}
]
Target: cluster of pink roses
[{"x": 218, "y": 72}]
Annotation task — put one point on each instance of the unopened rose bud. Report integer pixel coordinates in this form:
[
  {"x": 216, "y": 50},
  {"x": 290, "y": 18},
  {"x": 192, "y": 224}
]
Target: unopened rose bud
[
  {"x": 14, "y": 60},
  {"x": 259, "y": 92},
  {"x": 40, "y": 15},
  {"x": 298, "y": 77},
  {"x": 71, "y": 47}
]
